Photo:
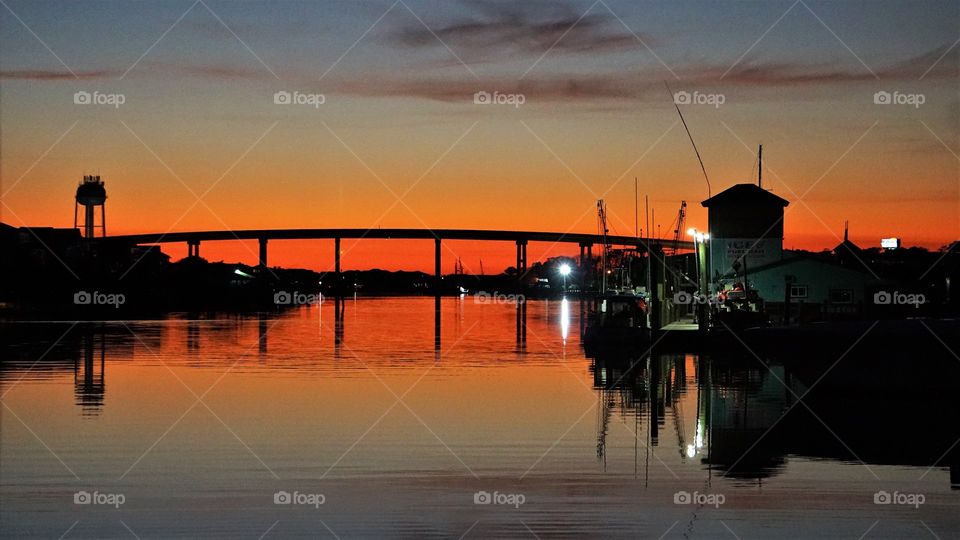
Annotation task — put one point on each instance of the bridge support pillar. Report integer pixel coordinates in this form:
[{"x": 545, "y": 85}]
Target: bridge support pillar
[
  {"x": 521, "y": 261},
  {"x": 337, "y": 279},
  {"x": 263, "y": 253},
  {"x": 436, "y": 265},
  {"x": 586, "y": 264},
  {"x": 193, "y": 248}
]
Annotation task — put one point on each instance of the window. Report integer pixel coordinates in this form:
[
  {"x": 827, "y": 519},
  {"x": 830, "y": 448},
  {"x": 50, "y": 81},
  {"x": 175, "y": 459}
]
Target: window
[
  {"x": 841, "y": 296},
  {"x": 798, "y": 291}
]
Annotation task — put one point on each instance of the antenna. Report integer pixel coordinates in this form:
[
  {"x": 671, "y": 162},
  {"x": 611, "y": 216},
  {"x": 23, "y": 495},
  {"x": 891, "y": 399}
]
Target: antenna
[
  {"x": 646, "y": 205},
  {"x": 702, "y": 168},
  {"x": 636, "y": 210},
  {"x": 760, "y": 167}
]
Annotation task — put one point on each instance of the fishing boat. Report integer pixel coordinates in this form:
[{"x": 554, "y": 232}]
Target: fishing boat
[{"x": 617, "y": 319}]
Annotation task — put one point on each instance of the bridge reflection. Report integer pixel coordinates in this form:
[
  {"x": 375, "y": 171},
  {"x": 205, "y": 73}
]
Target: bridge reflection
[{"x": 735, "y": 417}]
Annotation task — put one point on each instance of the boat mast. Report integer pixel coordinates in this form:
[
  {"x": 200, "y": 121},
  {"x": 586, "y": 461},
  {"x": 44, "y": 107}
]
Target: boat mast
[{"x": 602, "y": 224}]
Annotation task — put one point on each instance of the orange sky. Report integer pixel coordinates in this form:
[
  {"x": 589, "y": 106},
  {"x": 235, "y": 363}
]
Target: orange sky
[{"x": 399, "y": 141}]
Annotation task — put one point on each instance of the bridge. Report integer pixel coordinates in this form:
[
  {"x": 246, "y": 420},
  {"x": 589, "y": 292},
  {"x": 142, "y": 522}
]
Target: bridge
[{"x": 520, "y": 238}]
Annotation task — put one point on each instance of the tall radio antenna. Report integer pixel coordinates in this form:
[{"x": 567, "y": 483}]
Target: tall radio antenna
[{"x": 702, "y": 168}]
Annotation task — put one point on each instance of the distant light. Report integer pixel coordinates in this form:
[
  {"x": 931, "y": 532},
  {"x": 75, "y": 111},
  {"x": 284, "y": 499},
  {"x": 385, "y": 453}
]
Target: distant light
[
  {"x": 890, "y": 243},
  {"x": 697, "y": 235},
  {"x": 241, "y": 273},
  {"x": 691, "y": 451},
  {"x": 564, "y": 269}
]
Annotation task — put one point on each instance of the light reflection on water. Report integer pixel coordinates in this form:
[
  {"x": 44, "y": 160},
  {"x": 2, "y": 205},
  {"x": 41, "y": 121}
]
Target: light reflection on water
[{"x": 198, "y": 422}]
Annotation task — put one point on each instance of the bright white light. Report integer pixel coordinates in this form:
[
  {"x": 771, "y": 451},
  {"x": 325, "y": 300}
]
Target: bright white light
[
  {"x": 697, "y": 235},
  {"x": 564, "y": 269},
  {"x": 691, "y": 451}
]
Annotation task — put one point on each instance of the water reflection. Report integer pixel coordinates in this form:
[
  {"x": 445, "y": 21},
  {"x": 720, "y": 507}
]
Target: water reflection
[
  {"x": 735, "y": 416},
  {"x": 745, "y": 421},
  {"x": 88, "y": 377}
]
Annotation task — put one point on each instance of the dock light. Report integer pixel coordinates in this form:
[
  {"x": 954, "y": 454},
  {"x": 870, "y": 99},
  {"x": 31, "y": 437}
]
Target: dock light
[
  {"x": 564, "y": 271},
  {"x": 697, "y": 235}
]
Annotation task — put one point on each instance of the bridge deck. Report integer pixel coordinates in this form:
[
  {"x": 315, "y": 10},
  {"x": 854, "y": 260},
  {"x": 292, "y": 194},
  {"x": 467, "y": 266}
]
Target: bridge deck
[{"x": 411, "y": 234}]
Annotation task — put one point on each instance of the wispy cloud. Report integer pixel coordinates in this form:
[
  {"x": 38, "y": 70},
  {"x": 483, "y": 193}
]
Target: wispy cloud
[
  {"x": 208, "y": 71},
  {"x": 593, "y": 89},
  {"x": 524, "y": 28},
  {"x": 639, "y": 84},
  {"x": 56, "y": 75}
]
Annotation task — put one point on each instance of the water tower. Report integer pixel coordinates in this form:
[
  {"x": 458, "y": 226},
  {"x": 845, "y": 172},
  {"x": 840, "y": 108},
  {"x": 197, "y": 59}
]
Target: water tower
[{"x": 91, "y": 194}]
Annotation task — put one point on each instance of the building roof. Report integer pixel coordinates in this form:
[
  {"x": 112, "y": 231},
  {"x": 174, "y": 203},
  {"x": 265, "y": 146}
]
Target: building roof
[{"x": 745, "y": 193}]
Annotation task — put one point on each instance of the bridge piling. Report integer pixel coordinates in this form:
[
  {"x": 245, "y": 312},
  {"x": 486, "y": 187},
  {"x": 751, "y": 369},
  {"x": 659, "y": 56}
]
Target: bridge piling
[
  {"x": 263, "y": 253},
  {"x": 585, "y": 264},
  {"x": 193, "y": 248},
  {"x": 521, "y": 262},
  {"x": 437, "y": 277},
  {"x": 337, "y": 279}
]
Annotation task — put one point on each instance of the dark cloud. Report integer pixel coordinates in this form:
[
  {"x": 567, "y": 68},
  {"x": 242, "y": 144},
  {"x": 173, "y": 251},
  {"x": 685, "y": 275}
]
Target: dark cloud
[
  {"x": 598, "y": 89},
  {"x": 56, "y": 75},
  {"x": 613, "y": 87},
  {"x": 525, "y": 28},
  {"x": 210, "y": 71},
  {"x": 924, "y": 65}
]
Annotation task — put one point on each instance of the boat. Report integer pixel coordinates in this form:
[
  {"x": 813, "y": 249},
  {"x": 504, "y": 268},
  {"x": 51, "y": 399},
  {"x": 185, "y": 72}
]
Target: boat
[
  {"x": 618, "y": 322},
  {"x": 617, "y": 318}
]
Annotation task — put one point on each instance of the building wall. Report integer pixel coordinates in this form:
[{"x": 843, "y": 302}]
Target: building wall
[
  {"x": 747, "y": 220},
  {"x": 818, "y": 277},
  {"x": 754, "y": 252}
]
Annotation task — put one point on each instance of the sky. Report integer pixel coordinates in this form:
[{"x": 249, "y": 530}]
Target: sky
[{"x": 581, "y": 103}]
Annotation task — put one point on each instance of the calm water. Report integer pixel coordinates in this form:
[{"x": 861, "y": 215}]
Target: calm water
[{"x": 193, "y": 427}]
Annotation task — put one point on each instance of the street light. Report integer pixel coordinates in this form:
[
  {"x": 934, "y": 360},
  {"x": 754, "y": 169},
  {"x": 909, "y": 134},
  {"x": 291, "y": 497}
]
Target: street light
[
  {"x": 564, "y": 271},
  {"x": 700, "y": 250}
]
